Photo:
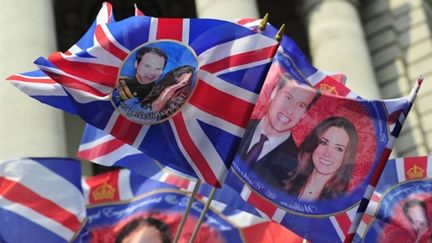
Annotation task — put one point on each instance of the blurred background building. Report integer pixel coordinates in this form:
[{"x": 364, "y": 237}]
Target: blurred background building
[{"x": 381, "y": 45}]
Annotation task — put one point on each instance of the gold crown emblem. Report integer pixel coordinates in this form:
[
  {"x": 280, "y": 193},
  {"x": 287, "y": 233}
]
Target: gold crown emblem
[
  {"x": 415, "y": 172},
  {"x": 103, "y": 192},
  {"x": 328, "y": 88}
]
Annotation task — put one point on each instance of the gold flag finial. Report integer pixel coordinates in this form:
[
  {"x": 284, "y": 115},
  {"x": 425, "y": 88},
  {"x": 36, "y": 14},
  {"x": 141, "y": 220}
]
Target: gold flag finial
[
  {"x": 280, "y": 33},
  {"x": 263, "y": 23}
]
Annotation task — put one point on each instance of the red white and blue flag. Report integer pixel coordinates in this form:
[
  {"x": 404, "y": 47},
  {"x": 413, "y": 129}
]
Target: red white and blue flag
[
  {"x": 232, "y": 62},
  {"x": 99, "y": 147},
  {"x": 43, "y": 88},
  {"x": 118, "y": 197},
  {"x": 41, "y": 200},
  {"x": 404, "y": 181},
  {"x": 376, "y": 122}
]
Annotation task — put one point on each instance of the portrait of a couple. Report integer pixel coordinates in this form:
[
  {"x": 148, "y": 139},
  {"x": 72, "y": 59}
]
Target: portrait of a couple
[
  {"x": 153, "y": 92},
  {"x": 318, "y": 168}
]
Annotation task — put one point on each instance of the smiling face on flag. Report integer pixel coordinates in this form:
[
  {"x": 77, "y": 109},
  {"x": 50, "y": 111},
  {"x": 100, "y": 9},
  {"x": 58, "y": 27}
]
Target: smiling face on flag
[{"x": 155, "y": 81}]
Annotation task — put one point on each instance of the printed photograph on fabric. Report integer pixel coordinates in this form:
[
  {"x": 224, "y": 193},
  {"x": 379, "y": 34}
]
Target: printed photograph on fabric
[
  {"x": 155, "y": 81},
  {"x": 305, "y": 150},
  {"x": 154, "y": 217},
  {"x": 404, "y": 214}
]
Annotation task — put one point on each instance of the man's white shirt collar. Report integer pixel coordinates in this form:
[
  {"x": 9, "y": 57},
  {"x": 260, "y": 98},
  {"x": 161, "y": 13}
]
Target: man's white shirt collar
[{"x": 270, "y": 144}]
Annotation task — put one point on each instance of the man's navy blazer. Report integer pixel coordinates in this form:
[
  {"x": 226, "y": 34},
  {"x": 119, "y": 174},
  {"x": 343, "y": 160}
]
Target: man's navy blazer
[{"x": 273, "y": 168}]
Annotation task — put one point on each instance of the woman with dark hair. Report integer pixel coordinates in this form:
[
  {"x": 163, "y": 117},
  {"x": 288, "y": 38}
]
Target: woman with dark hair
[
  {"x": 168, "y": 87},
  {"x": 144, "y": 230},
  {"x": 326, "y": 161}
]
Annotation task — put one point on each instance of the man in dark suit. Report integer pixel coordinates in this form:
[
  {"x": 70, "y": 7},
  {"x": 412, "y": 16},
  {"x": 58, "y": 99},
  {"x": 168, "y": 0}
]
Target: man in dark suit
[{"x": 268, "y": 148}]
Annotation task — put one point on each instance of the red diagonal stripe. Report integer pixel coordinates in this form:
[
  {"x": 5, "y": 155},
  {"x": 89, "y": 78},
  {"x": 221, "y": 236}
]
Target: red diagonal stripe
[
  {"x": 221, "y": 104},
  {"x": 74, "y": 83},
  {"x": 240, "y": 59},
  {"x": 29, "y": 79},
  {"x": 171, "y": 28},
  {"x": 126, "y": 130},
  {"x": 344, "y": 222},
  {"x": 262, "y": 204},
  {"x": 194, "y": 152},
  {"x": 97, "y": 73},
  {"x": 18, "y": 193},
  {"x": 177, "y": 181},
  {"x": 245, "y": 21},
  {"x": 107, "y": 44},
  {"x": 380, "y": 167},
  {"x": 100, "y": 149}
]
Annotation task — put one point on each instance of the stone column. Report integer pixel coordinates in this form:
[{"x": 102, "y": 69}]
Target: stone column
[
  {"x": 226, "y": 9},
  {"x": 27, "y": 127},
  {"x": 338, "y": 44}
]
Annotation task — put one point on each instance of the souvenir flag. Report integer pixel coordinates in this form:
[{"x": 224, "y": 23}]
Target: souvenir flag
[
  {"x": 321, "y": 151},
  {"x": 43, "y": 88},
  {"x": 200, "y": 56},
  {"x": 119, "y": 199},
  {"x": 41, "y": 200},
  {"x": 400, "y": 208},
  {"x": 101, "y": 148}
]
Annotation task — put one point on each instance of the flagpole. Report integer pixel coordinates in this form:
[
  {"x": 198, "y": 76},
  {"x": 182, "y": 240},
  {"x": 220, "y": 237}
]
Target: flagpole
[
  {"x": 187, "y": 211},
  {"x": 202, "y": 215},
  {"x": 381, "y": 164}
]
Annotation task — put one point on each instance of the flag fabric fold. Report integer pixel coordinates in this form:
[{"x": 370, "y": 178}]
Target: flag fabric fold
[
  {"x": 43, "y": 88},
  {"x": 186, "y": 131},
  {"x": 41, "y": 200}
]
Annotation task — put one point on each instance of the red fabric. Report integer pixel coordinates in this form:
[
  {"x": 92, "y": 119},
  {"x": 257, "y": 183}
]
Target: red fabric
[
  {"x": 269, "y": 232},
  {"x": 324, "y": 108}
]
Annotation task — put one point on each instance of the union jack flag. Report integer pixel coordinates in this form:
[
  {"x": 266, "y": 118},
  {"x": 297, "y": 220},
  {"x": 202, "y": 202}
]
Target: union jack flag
[
  {"x": 402, "y": 180},
  {"x": 102, "y": 148},
  {"x": 43, "y": 88},
  {"x": 231, "y": 71},
  {"x": 31, "y": 207},
  {"x": 302, "y": 217}
]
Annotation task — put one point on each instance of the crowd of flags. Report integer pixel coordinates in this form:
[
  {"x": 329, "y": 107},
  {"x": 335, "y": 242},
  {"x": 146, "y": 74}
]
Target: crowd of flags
[{"x": 162, "y": 163}]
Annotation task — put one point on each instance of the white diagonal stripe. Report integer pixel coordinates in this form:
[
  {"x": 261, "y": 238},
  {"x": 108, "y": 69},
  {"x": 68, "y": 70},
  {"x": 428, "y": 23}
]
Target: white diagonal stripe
[
  {"x": 93, "y": 143},
  {"x": 201, "y": 140},
  {"x": 243, "y": 66},
  {"x": 337, "y": 228},
  {"x": 237, "y": 46},
  {"x": 228, "y": 88},
  {"x": 27, "y": 172},
  {"x": 101, "y": 88},
  {"x": 37, "y": 218},
  {"x": 183, "y": 150},
  {"x": 192, "y": 112},
  {"x": 43, "y": 89}
]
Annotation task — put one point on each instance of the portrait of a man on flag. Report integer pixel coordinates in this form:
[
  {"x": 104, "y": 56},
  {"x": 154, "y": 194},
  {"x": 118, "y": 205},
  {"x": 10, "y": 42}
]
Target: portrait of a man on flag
[{"x": 155, "y": 81}]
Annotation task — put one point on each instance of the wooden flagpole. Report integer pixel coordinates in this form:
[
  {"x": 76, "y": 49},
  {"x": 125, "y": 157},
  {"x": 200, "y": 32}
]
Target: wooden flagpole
[
  {"x": 202, "y": 215},
  {"x": 187, "y": 211}
]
